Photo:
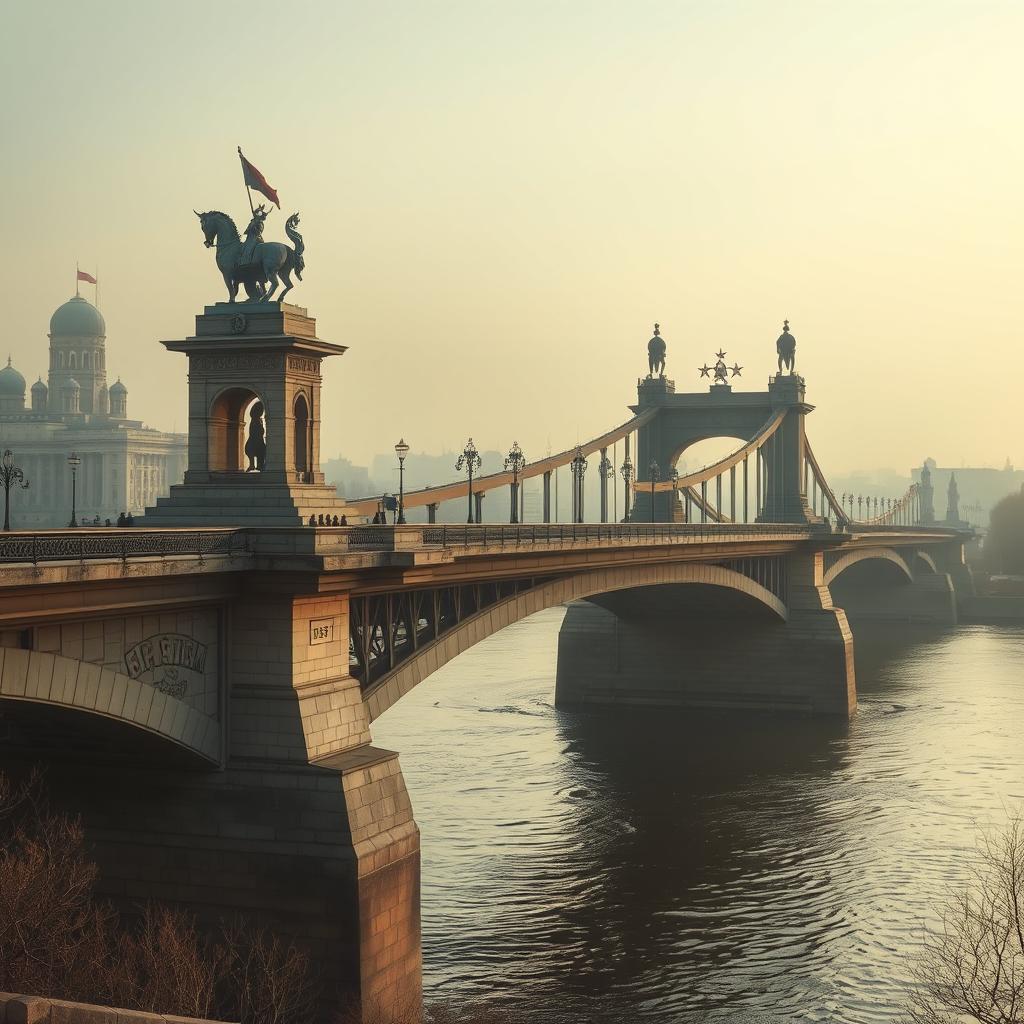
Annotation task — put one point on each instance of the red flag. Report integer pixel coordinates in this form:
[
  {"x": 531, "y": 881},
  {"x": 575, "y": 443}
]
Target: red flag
[
  {"x": 253, "y": 179},
  {"x": 83, "y": 276}
]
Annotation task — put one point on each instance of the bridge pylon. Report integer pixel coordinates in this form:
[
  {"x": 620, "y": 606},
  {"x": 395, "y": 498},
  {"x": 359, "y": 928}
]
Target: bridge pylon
[{"x": 772, "y": 476}]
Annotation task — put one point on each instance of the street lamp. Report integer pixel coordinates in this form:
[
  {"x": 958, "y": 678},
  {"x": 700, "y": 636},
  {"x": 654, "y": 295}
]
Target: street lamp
[
  {"x": 514, "y": 462},
  {"x": 605, "y": 471},
  {"x": 578, "y": 467},
  {"x": 655, "y": 471},
  {"x": 10, "y": 474},
  {"x": 74, "y": 461},
  {"x": 674, "y": 477},
  {"x": 627, "y": 473},
  {"x": 469, "y": 460},
  {"x": 401, "y": 450}
]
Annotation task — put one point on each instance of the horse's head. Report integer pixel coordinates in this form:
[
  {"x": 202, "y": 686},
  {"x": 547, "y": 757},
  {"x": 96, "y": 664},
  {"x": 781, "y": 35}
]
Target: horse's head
[{"x": 206, "y": 222}]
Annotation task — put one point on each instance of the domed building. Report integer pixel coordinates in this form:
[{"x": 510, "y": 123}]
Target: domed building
[{"x": 125, "y": 465}]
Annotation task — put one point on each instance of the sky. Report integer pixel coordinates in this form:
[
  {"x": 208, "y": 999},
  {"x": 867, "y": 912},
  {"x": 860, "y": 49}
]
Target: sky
[{"x": 498, "y": 200}]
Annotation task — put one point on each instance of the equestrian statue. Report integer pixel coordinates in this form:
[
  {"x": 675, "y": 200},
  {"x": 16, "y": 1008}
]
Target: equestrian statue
[{"x": 253, "y": 264}]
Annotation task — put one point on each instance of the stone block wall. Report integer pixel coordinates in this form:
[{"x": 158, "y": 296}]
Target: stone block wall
[{"x": 22, "y": 1009}]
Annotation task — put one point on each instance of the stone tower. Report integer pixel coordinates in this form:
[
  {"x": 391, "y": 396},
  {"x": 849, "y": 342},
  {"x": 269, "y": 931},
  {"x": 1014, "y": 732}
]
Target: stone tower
[
  {"x": 926, "y": 494},
  {"x": 78, "y": 337},
  {"x": 254, "y": 421},
  {"x": 953, "y": 501}
]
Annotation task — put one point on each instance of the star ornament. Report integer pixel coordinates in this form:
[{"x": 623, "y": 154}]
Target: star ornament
[
  {"x": 705, "y": 370},
  {"x": 735, "y": 369},
  {"x": 721, "y": 355}
]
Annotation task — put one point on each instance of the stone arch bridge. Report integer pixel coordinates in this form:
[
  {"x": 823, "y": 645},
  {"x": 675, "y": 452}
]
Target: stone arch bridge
[
  {"x": 222, "y": 683},
  {"x": 203, "y": 690}
]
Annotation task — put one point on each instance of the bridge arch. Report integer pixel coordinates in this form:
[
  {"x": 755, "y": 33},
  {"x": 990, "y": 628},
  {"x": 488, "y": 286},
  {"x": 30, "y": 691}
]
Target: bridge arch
[
  {"x": 52, "y": 680},
  {"x": 851, "y": 558},
  {"x": 389, "y": 689},
  {"x": 227, "y": 422},
  {"x": 926, "y": 560}
]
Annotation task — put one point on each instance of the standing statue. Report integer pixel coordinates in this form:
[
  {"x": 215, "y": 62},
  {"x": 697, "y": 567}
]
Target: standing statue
[
  {"x": 656, "y": 349},
  {"x": 786, "y": 348},
  {"x": 256, "y": 443},
  {"x": 267, "y": 261}
]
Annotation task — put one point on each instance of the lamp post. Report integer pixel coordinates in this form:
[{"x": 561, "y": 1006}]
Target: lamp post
[
  {"x": 470, "y": 461},
  {"x": 401, "y": 450},
  {"x": 626, "y": 472},
  {"x": 10, "y": 474},
  {"x": 514, "y": 462},
  {"x": 674, "y": 477},
  {"x": 605, "y": 470},
  {"x": 655, "y": 471},
  {"x": 578, "y": 467},
  {"x": 74, "y": 461}
]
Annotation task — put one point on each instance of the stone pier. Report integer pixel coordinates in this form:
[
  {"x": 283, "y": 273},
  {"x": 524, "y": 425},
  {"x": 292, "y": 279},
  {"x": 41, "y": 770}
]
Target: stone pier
[{"x": 704, "y": 646}]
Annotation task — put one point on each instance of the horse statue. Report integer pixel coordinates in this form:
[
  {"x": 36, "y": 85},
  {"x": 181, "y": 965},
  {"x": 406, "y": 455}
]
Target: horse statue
[
  {"x": 267, "y": 260},
  {"x": 786, "y": 348},
  {"x": 656, "y": 349}
]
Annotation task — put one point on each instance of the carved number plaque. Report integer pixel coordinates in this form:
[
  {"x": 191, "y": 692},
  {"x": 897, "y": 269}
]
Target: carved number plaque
[{"x": 321, "y": 631}]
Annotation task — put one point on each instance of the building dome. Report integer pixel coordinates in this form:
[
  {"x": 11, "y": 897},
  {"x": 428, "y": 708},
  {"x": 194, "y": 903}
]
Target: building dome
[
  {"x": 78, "y": 318},
  {"x": 12, "y": 384},
  {"x": 118, "y": 388},
  {"x": 40, "y": 387}
]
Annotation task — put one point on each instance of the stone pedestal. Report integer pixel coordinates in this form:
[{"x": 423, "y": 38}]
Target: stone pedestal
[{"x": 245, "y": 357}]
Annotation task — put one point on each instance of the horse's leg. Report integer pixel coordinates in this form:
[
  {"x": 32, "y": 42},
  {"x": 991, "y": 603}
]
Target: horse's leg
[
  {"x": 229, "y": 285},
  {"x": 272, "y": 277},
  {"x": 287, "y": 284}
]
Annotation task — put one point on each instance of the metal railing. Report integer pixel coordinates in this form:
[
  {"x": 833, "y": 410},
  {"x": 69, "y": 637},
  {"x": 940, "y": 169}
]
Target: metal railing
[
  {"x": 83, "y": 545},
  {"x": 523, "y": 534}
]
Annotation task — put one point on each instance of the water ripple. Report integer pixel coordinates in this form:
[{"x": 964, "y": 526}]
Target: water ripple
[{"x": 717, "y": 868}]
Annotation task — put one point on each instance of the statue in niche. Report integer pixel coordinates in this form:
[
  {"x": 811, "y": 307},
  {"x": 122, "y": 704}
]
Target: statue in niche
[
  {"x": 786, "y": 348},
  {"x": 656, "y": 350},
  {"x": 256, "y": 444}
]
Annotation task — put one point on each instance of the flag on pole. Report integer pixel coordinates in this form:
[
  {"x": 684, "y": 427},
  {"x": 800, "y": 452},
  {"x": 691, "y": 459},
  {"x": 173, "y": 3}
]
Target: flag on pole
[
  {"x": 83, "y": 276},
  {"x": 254, "y": 179}
]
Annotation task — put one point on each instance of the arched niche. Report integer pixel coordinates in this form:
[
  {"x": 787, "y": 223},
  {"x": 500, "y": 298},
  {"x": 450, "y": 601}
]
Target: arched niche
[
  {"x": 301, "y": 438},
  {"x": 229, "y": 428}
]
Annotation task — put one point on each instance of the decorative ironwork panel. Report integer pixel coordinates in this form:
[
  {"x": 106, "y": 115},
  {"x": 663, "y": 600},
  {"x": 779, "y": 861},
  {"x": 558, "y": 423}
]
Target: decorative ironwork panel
[{"x": 70, "y": 545}]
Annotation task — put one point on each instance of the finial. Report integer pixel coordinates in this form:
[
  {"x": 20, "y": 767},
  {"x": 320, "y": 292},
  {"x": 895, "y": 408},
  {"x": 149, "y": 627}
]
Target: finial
[
  {"x": 785, "y": 326},
  {"x": 8, "y": 360},
  {"x": 657, "y": 330}
]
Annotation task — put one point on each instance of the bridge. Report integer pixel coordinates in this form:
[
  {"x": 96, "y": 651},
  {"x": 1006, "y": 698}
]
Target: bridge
[{"x": 203, "y": 689}]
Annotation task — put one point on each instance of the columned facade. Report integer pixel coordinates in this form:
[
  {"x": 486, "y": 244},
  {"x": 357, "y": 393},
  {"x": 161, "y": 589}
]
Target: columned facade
[{"x": 125, "y": 465}]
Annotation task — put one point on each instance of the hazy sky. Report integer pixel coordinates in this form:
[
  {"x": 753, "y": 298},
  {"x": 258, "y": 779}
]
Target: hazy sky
[{"x": 499, "y": 199}]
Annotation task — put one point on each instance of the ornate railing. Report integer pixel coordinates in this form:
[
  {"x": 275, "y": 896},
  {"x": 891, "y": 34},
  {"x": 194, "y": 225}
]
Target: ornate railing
[
  {"x": 85, "y": 545},
  {"x": 525, "y": 534}
]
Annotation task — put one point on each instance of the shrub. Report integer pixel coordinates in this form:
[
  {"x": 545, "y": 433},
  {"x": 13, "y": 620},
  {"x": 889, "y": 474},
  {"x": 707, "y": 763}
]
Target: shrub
[{"x": 57, "y": 939}]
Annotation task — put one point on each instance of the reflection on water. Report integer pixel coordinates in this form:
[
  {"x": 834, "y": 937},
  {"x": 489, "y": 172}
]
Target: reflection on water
[{"x": 665, "y": 866}]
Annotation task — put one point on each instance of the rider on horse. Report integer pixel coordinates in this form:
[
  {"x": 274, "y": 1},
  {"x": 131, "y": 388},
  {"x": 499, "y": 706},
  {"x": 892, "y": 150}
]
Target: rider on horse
[{"x": 253, "y": 236}]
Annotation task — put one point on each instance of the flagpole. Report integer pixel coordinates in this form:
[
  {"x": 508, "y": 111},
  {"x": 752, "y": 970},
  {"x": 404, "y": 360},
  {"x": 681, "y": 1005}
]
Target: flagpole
[
  {"x": 96, "y": 294},
  {"x": 252, "y": 209},
  {"x": 77, "y": 296}
]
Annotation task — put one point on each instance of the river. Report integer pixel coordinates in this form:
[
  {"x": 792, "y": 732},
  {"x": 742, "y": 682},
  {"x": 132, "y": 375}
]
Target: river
[{"x": 665, "y": 866}]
